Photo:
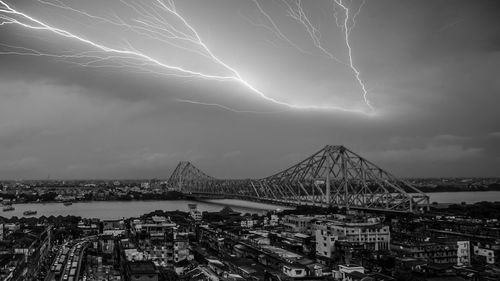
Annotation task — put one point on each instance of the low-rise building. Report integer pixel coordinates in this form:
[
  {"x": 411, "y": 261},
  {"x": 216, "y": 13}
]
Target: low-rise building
[
  {"x": 434, "y": 251},
  {"x": 297, "y": 223},
  {"x": 294, "y": 269},
  {"x": 113, "y": 227},
  {"x": 141, "y": 271},
  {"x": 346, "y": 272}
]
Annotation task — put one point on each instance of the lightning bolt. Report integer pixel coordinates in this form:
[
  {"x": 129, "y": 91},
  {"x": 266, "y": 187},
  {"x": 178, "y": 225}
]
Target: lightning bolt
[
  {"x": 296, "y": 11},
  {"x": 347, "y": 30},
  {"x": 151, "y": 24}
]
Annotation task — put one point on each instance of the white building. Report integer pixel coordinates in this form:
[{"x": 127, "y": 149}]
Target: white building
[
  {"x": 486, "y": 252},
  {"x": 369, "y": 232},
  {"x": 463, "y": 253},
  {"x": 345, "y": 270}
]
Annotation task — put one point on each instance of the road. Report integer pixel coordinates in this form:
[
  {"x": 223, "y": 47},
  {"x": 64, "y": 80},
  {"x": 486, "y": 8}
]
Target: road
[{"x": 70, "y": 254}]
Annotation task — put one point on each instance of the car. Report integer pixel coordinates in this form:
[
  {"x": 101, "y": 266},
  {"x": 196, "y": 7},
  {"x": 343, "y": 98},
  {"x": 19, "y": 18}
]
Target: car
[{"x": 65, "y": 277}]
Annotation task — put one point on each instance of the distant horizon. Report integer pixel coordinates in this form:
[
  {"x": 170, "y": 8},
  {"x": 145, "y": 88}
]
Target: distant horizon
[{"x": 165, "y": 179}]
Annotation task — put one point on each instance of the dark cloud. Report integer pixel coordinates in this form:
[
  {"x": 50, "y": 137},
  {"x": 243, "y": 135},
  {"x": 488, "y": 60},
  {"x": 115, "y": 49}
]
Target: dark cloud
[{"x": 431, "y": 67}]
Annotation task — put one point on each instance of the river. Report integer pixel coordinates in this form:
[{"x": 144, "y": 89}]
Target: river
[{"x": 126, "y": 209}]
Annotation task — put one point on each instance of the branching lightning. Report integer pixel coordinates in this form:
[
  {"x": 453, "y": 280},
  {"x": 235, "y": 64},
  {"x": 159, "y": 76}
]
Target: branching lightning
[
  {"x": 347, "y": 30},
  {"x": 296, "y": 11},
  {"x": 151, "y": 22}
]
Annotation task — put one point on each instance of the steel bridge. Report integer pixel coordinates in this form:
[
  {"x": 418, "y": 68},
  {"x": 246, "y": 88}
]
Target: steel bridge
[{"x": 333, "y": 176}]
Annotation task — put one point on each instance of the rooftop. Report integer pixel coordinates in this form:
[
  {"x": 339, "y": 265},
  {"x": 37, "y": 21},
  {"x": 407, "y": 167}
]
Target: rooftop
[{"x": 141, "y": 267}]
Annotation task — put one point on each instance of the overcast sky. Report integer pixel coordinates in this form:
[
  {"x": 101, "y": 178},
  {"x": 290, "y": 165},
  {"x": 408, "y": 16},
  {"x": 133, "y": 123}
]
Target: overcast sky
[{"x": 431, "y": 68}]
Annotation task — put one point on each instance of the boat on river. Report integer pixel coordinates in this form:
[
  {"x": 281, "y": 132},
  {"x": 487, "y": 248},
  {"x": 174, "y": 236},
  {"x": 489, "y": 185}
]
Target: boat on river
[
  {"x": 8, "y": 208},
  {"x": 29, "y": 213}
]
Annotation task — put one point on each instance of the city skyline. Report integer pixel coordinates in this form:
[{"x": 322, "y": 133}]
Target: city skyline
[{"x": 429, "y": 68}]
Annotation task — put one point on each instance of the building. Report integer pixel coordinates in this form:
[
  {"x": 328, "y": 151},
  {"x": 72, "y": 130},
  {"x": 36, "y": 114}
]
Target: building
[
  {"x": 160, "y": 241},
  {"x": 141, "y": 271},
  {"x": 463, "y": 253},
  {"x": 294, "y": 269},
  {"x": 247, "y": 222},
  {"x": 12, "y": 267},
  {"x": 88, "y": 227},
  {"x": 347, "y": 272},
  {"x": 194, "y": 213},
  {"x": 369, "y": 233},
  {"x": 486, "y": 252},
  {"x": 298, "y": 223},
  {"x": 34, "y": 245},
  {"x": 201, "y": 272},
  {"x": 113, "y": 227},
  {"x": 434, "y": 251}
]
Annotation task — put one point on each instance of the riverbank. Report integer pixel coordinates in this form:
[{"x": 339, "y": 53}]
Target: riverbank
[{"x": 435, "y": 195}]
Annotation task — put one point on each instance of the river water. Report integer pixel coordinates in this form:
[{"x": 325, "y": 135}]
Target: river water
[{"x": 126, "y": 209}]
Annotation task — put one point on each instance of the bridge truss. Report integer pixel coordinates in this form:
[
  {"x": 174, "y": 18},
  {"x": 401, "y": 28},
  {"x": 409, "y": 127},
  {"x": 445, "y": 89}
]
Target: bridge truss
[{"x": 333, "y": 176}]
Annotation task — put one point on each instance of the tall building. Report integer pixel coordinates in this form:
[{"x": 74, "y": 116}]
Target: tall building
[{"x": 159, "y": 240}]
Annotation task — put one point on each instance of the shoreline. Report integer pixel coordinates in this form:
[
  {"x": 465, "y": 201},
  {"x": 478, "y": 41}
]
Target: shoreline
[{"x": 89, "y": 201}]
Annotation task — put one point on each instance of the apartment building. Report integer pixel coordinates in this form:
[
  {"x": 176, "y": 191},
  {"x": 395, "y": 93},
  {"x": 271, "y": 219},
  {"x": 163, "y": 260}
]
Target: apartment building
[
  {"x": 370, "y": 233},
  {"x": 159, "y": 240}
]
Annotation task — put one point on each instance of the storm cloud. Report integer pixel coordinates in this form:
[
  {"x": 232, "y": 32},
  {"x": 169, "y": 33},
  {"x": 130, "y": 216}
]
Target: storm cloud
[{"x": 431, "y": 69}]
